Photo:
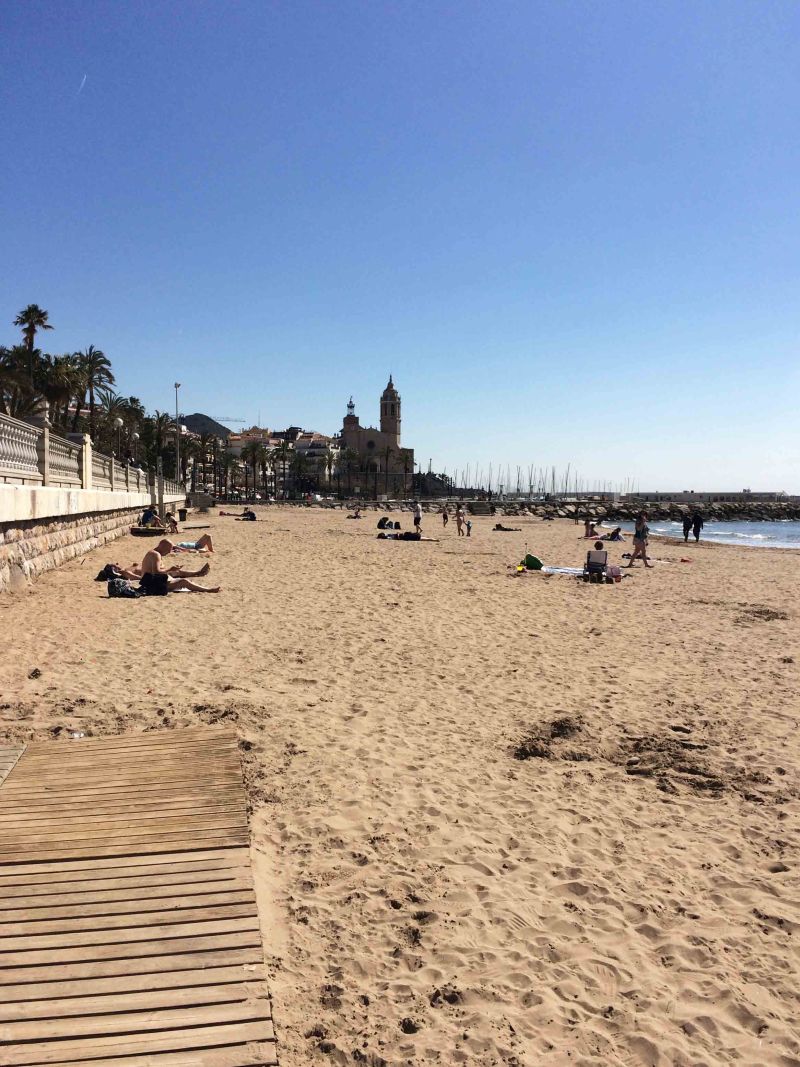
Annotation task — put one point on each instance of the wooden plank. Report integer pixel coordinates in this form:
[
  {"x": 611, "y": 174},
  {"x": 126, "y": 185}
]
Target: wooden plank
[
  {"x": 212, "y": 952},
  {"x": 32, "y": 956},
  {"x": 122, "y": 1022},
  {"x": 128, "y": 1001},
  {"x": 144, "y": 887},
  {"x": 32, "y": 993},
  {"x": 165, "y": 862},
  {"x": 106, "y": 904},
  {"x": 125, "y": 935},
  {"x": 253, "y": 1054},
  {"x": 85, "y": 850},
  {"x": 33, "y": 1054},
  {"x": 10, "y": 813},
  {"x": 179, "y": 915},
  {"x": 128, "y": 829}
]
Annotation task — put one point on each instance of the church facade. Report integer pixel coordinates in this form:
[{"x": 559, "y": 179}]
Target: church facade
[{"x": 380, "y": 461}]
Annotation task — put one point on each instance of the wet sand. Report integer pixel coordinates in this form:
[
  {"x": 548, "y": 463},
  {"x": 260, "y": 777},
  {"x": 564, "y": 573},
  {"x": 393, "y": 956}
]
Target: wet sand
[{"x": 496, "y": 820}]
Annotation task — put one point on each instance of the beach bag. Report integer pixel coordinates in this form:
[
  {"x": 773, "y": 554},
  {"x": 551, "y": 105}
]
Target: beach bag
[
  {"x": 532, "y": 563},
  {"x": 121, "y": 587},
  {"x": 106, "y": 574}
]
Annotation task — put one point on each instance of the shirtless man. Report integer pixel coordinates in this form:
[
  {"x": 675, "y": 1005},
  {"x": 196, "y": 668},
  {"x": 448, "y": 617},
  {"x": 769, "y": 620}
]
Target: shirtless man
[{"x": 156, "y": 581}]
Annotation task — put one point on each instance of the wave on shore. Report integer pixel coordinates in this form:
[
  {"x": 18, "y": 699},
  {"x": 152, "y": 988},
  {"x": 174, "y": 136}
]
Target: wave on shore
[{"x": 782, "y": 534}]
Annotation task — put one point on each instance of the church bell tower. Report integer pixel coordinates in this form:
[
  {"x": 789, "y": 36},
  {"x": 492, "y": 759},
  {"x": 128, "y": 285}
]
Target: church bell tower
[{"x": 390, "y": 412}]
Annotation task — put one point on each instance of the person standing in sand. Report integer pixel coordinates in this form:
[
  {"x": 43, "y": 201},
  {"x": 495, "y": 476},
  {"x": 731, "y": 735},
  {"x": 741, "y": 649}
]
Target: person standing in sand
[
  {"x": 641, "y": 534},
  {"x": 156, "y": 581},
  {"x": 445, "y": 517},
  {"x": 460, "y": 520},
  {"x": 697, "y": 525},
  {"x": 687, "y": 525},
  {"x": 417, "y": 517}
]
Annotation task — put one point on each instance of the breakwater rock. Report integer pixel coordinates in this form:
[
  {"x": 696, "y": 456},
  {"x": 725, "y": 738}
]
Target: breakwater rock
[{"x": 626, "y": 511}]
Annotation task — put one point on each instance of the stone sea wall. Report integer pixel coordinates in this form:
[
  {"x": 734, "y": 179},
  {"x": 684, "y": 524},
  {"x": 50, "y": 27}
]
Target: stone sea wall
[
  {"x": 30, "y": 547},
  {"x": 763, "y": 511},
  {"x": 757, "y": 511}
]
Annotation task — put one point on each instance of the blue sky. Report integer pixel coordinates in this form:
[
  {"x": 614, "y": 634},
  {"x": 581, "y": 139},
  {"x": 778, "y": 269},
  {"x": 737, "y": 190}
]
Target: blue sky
[{"x": 570, "y": 230}]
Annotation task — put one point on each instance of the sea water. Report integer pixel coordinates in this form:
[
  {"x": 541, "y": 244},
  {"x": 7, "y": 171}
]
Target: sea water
[{"x": 783, "y": 534}]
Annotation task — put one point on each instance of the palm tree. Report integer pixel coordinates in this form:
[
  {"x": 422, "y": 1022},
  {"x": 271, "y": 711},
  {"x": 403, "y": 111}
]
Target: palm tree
[
  {"x": 227, "y": 466},
  {"x": 16, "y": 394},
  {"x": 405, "y": 457},
  {"x": 348, "y": 461},
  {"x": 282, "y": 455},
  {"x": 252, "y": 453},
  {"x": 386, "y": 455},
  {"x": 58, "y": 380},
  {"x": 190, "y": 450},
  {"x": 328, "y": 463},
  {"x": 299, "y": 468},
  {"x": 97, "y": 375},
  {"x": 31, "y": 319},
  {"x": 206, "y": 445}
]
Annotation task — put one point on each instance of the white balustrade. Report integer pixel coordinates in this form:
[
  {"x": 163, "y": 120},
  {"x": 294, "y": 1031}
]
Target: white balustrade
[
  {"x": 65, "y": 462},
  {"x": 19, "y": 460}
]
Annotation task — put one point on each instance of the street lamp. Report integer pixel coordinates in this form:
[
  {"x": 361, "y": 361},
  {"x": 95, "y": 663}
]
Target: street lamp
[
  {"x": 119, "y": 424},
  {"x": 135, "y": 439},
  {"x": 177, "y": 437}
]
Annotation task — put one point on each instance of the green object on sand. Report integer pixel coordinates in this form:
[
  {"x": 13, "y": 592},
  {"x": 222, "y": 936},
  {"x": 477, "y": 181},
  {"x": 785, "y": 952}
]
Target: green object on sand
[{"x": 532, "y": 563}]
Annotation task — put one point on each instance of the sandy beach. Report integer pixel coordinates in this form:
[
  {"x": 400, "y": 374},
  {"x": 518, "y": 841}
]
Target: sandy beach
[{"x": 495, "y": 820}]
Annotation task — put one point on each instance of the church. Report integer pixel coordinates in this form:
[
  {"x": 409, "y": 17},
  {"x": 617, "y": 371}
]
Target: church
[{"x": 388, "y": 467}]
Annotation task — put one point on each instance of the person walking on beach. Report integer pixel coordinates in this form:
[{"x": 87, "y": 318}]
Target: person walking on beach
[
  {"x": 697, "y": 525},
  {"x": 460, "y": 520},
  {"x": 687, "y": 526},
  {"x": 417, "y": 517},
  {"x": 469, "y": 527},
  {"x": 445, "y": 517},
  {"x": 640, "y": 535}
]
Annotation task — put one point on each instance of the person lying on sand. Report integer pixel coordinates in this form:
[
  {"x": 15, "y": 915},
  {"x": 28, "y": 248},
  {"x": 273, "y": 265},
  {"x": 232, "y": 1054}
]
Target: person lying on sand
[
  {"x": 506, "y": 529},
  {"x": 406, "y": 535},
  {"x": 202, "y": 544},
  {"x": 356, "y": 514},
  {"x": 246, "y": 515},
  {"x": 156, "y": 581}
]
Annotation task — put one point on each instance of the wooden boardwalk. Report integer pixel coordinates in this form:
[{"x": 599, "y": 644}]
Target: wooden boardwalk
[{"x": 129, "y": 933}]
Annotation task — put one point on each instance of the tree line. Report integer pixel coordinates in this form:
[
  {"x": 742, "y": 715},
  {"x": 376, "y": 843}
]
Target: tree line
[{"x": 80, "y": 390}]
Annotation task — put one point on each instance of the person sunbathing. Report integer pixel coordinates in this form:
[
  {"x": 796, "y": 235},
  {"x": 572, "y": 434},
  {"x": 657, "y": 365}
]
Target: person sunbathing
[
  {"x": 615, "y": 535},
  {"x": 592, "y": 531},
  {"x": 158, "y": 581},
  {"x": 407, "y": 535},
  {"x": 498, "y": 526},
  {"x": 202, "y": 544}
]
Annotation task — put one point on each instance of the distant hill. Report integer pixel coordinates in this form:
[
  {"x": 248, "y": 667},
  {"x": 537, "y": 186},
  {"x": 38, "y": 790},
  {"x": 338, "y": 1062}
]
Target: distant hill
[{"x": 198, "y": 423}]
